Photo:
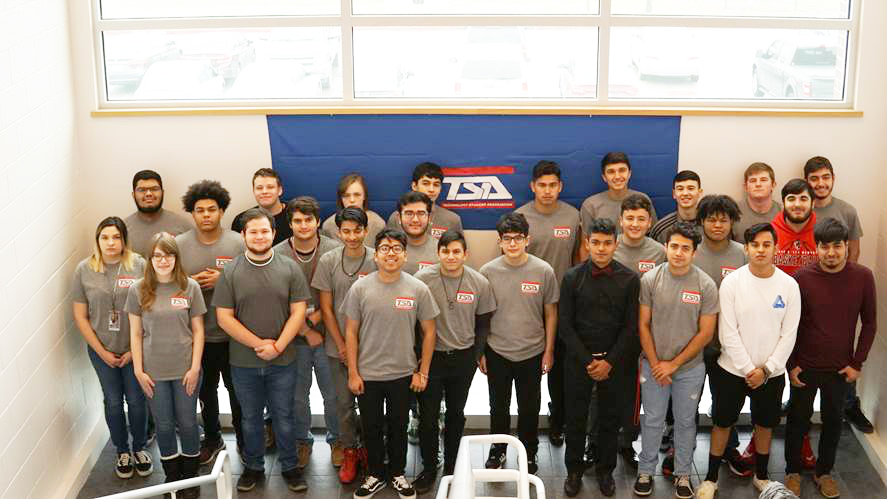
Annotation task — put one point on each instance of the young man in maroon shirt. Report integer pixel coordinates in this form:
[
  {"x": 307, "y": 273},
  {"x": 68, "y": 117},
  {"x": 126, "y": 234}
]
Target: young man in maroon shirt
[{"x": 835, "y": 293}]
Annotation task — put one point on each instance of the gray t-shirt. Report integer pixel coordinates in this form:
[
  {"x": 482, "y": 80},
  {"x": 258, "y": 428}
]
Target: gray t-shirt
[
  {"x": 601, "y": 205},
  {"x": 375, "y": 224},
  {"x": 388, "y": 313},
  {"x": 140, "y": 232},
  {"x": 442, "y": 220},
  {"x": 844, "y": 212},
  {"x": 517, "y": 329},
  {"x": 261, "y": 296},
  {"x": 103, "y": 293},
  {"x": 719, "y": 264},
  {"x": 751, "y": 217},
  {"x": 197, "y": 257},
  {"x": 331, "y": 276},
  {"x": 167, "y": 340},
  {"x": 677, "y": 302},
  {"x": 553, "y": 237},
  {"x": 419, "y": 257},
  {"x": 642, "y": 258},
  {"x": 470, "y": 295}
]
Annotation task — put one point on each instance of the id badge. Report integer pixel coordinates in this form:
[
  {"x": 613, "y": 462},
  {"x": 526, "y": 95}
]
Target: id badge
[{"x": 113, "y": 320}]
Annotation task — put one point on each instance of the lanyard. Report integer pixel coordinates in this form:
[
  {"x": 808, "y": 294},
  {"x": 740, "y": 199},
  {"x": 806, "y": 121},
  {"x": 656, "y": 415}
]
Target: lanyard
[{"x": 114, "y": 288}]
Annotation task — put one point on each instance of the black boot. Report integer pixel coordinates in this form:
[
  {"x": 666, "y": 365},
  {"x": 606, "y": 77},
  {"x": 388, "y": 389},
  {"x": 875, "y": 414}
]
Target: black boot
[
  {"x": 172, "y": 469},
  {"x": 190, "y": 469}
]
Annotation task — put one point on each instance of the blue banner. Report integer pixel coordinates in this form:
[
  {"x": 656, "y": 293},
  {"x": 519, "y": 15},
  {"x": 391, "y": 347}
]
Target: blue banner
[{"x": 487, "y": 160}]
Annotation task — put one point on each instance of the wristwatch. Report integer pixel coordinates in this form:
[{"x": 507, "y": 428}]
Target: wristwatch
[{"x": 767, "y": 372}]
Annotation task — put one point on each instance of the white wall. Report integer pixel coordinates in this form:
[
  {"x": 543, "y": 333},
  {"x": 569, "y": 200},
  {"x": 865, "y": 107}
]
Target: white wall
[
  {"x": 230, "y": 148},
  {"x": 48, "y": 392}
]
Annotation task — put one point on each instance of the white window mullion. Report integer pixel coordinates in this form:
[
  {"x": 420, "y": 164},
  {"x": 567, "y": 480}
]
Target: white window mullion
[
  {"x": 346, "y": 61},
  {"x": 603, "y": 75}
]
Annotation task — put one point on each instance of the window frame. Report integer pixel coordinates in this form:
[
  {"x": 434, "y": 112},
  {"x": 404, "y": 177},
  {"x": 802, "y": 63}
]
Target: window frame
[{"x": 603, "y": 21}]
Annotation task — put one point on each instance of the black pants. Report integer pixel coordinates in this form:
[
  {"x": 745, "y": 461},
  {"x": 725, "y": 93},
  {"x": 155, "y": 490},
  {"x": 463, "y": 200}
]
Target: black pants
[
  {"x": 629, "y": 427},
  {"x": 611, "y": 407},
  {"x": 385, "y": 405},
  {"x": 215, "y": 365},
  {"x": 556, "y": 389},
  {"x": 711, "y": 363},
  {"x": 833, "y": 392},
  {"x": 450, "y": 376},
  {"x": 527, "y": 378}
]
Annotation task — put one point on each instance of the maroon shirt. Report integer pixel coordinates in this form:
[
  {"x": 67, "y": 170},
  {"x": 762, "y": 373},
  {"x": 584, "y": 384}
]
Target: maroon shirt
[{"x": 831, "y": 305}]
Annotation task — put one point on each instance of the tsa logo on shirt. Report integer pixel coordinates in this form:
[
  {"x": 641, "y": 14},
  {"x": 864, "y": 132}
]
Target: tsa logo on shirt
[
  {"x": 425, "y": 265},
  {"x": 691, "y": 297},
  {"x": 437, "y": 231},
  {"x": 725, "y": 271},
  {"x": 125, "y": 281},
  {"x": 465, "y": 297},
  {"x": 404, "y": 303},
  {"x": 778, "y": 303},
  {"x": 646, "y": 266},
  {"x": 530, "y": 287},
  {"x": 562, "y": 232},
  {"x": 221, "y": 261},
  {"x": 178, "y": 302}
]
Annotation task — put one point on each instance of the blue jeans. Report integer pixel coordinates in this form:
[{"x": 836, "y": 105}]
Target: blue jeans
[
  {"x": 314, "y": 359},
  {"x": 274, "y": 387},
  {"x": 118, "y": 383},
  {"x": 684, "y": 393},
  {"x": 173, "y": 410}
]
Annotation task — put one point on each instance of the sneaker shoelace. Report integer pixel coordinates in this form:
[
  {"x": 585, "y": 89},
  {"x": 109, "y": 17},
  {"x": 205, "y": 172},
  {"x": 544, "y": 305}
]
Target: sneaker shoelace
[
  {"x": 644, "y": 478},
  {"x": 142, "y": 457},
  {"x": 123, "y": 459},
  {"x": 683, "y": 481},
  {"x": 370, "y": 482},
  {"x": 401, "y": 482}
]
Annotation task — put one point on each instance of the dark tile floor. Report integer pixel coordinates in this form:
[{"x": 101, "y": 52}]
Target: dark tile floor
[{"x": 854, "y": 473}]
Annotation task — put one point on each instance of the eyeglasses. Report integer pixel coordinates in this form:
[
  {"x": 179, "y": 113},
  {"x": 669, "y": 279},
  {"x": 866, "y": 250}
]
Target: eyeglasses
[
  {"x": 516, "y": 239},
  {"x": 385, "y": 249},
  {"x": 166, "y": 258},
  {"x": 152, "y": 190},
  {"x": 414, "y": 214}
]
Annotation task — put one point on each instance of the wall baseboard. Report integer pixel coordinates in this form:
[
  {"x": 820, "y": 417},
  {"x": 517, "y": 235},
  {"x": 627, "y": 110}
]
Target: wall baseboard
[
  {"x": 876, "y": 451},
  {"x": 84, "y": 460}
]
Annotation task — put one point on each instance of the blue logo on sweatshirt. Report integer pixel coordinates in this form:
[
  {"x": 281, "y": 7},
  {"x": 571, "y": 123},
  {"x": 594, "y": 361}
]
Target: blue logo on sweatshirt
[{"x": 779, "y": 303}]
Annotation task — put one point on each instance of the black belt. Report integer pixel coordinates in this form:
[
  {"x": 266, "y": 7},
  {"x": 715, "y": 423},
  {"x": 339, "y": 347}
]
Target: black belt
[{"x": 453, "y": 352}]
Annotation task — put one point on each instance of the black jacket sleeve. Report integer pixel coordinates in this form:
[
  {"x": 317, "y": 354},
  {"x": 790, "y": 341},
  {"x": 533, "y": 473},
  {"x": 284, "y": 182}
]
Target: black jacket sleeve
[
  {"x": 566, "y": 320},
  {"x": 628, "y": 341}
]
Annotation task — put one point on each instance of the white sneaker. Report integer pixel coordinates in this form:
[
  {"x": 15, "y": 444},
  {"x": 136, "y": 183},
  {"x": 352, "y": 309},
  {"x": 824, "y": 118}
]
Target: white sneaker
[
  {"x": 759, "y": 484},
  {"x": 403, "y": 487},
  {"x": 369, "y": 487},
  {"x": 707, "y": 490},
  {"x": 124, "y": 467},
  {"x": 144, "y": 466}
]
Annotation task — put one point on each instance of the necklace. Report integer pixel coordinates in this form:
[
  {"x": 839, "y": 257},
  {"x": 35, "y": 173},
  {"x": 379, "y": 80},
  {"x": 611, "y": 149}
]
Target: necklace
[
  {"x": 296, "y": 253},
  {"x": 342, "y": 264},
  {"x": 250, "y": 260},
  {"x": 451, "y": 303}
]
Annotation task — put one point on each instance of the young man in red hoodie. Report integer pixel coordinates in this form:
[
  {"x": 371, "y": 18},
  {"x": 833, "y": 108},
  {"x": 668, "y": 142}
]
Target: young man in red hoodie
[
  {"x": 796, "y": 248},
  {"x": 794, "y": 227}
]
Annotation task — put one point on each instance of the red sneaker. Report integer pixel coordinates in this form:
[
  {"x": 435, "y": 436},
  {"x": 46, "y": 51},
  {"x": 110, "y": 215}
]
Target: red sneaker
[
  {"x": 348, "y": 470},
  {"x": 748, "y": 455},
  {"x": 808, "y": 460}
]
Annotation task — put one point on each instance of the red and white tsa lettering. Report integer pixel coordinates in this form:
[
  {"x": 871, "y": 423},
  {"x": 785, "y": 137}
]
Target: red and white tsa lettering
[
  {"x": 530, "y": 287},
  {"x": 125, "y": 281},
  {"x": 424, "y": 265},
  {"x": 361, "y": 275},
  {"x": 691, "y": 297},
  {"x": 437, "y": 231},
  {"x": 646, "y": 265},
  {"x": 178, "y": 302},
  {"x": 725, "y": 271},
  {"x": 562, "y": 232},
  {"x": 466, "y": 297},
  {"x": 404, "y": 303},
  {"x": 221, "y": 261}
]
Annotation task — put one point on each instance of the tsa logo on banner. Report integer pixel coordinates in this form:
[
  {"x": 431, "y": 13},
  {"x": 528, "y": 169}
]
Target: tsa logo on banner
[{"x": 477, "y": 187}]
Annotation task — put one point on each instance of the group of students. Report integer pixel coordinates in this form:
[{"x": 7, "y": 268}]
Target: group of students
[{"x": 618, "y": 309}]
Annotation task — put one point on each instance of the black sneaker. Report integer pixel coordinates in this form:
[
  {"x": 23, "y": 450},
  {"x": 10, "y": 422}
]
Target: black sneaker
[
  {"x": 643, "y": 486},
  {"x": 209, "y": 450},
  {"x": 403, "y": 487},
  {"x": 683, "y": 488},
  {"x": 496, "y": 458},
  {"x": 556, "y": 436},
  {"x": 606, "y": 484},
  {"x": 295, "y": 480},
  {"x": 144, "y": 465},
  {"x": 369, "y": 487},
  {"x": 590, "y": 455},
  {"x": 249, "y": 479},
  {"x": 573, "y": 483},
  {"x": 425, "y": 481},
  {"x": 125, "y": 467},
  {"x": 532, "y": 465},
  {"x": 853, "y": 414}
]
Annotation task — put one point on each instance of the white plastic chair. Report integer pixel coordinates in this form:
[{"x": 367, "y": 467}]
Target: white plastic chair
[
  {"x": 462, "y": 483},
  {"x": 221, "y": 475}
]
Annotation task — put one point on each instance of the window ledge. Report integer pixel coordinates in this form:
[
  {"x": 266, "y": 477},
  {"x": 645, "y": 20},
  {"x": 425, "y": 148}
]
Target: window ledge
[{"x": 487, "y": 110}]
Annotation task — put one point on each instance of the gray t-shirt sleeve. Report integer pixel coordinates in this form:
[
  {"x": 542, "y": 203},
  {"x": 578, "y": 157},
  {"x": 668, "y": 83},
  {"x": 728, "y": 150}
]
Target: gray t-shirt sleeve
[
  {"x": 552, "y": 289},
  {"x": 298, "y": 286},
  {"x": 427, "y": 309},
  {"x": 710, "y": 299},
  {"x": 78, "y": 294},
  {"x": 223, "y": 295},
  {"x": 487, "y": 301},
  {"x": 646, "y": 296},
  {"x": 133, "y": 306},
  {"x": 198, "y": 305},
  {"x": 322, "y": 280},
  {"x": 352, "y": 304}
]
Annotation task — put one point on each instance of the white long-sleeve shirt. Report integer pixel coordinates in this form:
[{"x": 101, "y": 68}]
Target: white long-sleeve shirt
[{"x": 758, "y": 322}]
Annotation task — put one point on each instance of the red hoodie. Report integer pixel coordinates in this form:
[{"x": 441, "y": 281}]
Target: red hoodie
[{"x": 794, "y": 249}]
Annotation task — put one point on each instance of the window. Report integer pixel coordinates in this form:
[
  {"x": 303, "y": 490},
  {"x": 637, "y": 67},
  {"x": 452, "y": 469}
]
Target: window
[{"x": 423, "y": 53}]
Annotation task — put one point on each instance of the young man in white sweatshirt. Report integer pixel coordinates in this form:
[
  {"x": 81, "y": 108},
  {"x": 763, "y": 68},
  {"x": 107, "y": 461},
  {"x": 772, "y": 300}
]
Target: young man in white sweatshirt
[{"x": 758, "y": 323}]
